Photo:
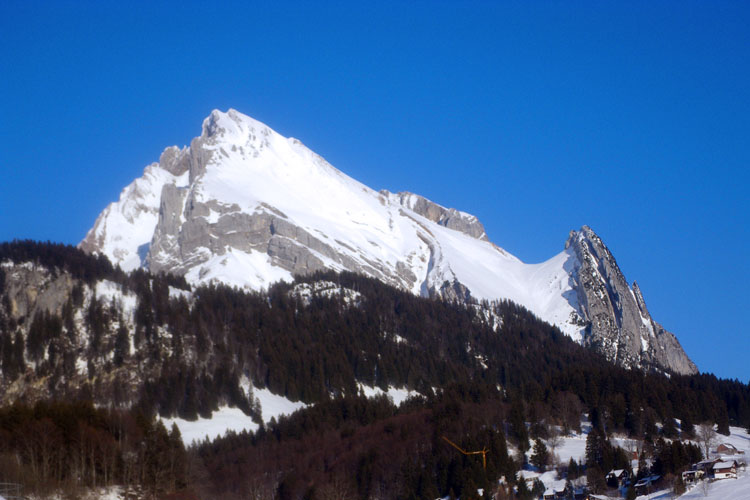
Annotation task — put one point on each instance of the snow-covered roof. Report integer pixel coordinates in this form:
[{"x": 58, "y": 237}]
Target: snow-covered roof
[
  {"x": 647, "y": 481},
  {"x": 725, "y": 465},
  {"x": 708, "y": 461},
  {"x": 616, "y": 473},
  {"x": 527, "y": 474},
  {"x": 558, "y": 486}
]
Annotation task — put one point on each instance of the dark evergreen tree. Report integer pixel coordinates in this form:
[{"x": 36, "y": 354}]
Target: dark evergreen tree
[
  {"x": 722, "y": 421},
  {"x": 36, "y": 336},
  {"x": 573, "y": 469},
  {"x": 595, "y": 479},
  {"x": 518, "y": 424},
  {"x": 538, "y": 489},
  {"x": 122, "y": 345},
  {"x": 540, "y": 455},
  {"x": 631, "y": 494},
  {"x": 669, "y": 428},
  {"x": 523, "y": 491},
  {"x": 687, "y": 428},
  {"x": 595, "y": 446}
]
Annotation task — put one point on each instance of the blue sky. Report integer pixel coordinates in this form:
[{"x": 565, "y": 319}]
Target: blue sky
[{"x": 538, "y": 117}]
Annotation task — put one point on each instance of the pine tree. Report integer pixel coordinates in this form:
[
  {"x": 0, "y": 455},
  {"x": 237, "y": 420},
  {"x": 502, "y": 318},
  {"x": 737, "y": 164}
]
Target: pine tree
[
  {"x": 523, "y": 490},
  {"x": 687, "y": 429},
  {"x": 669, "y": 429},
  {"x": 573, "y": 470},
  {"x": 595, "y": 479},
  {"x": 518, "y": 424},
  {"x": 631, "y": 494},
  {"x": 595, "y": 442},
  {"x": 177, "y": 459},
  {"x": 722, "y": 421},
  {"x": 157, "y": 458},
  {"x": 540, "y": 456},
  {"x": 35, "y": 337},
  {"x": 122, "y": 345},
  {"x": 538, "y": 490}
]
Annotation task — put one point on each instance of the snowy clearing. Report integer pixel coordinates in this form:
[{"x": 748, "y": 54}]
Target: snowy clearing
[{"x": 233, "y": 419}]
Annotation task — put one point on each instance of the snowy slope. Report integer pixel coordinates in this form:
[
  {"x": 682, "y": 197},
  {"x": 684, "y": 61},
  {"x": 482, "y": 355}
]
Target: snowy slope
[
  {"x": 574, "y": 446},
  {"x": 233, "y": 419},
  {"x": 723, "y": 489},
  {"x": 239, "y": 170}
]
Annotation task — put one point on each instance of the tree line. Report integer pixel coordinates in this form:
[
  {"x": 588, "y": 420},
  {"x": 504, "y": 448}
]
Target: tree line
[
  {"x": 188, "y": 354},
  {"x": 58, "y": 446}
]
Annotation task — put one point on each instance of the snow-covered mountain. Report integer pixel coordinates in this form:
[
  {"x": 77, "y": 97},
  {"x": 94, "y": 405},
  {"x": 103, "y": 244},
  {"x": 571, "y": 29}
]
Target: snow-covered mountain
[{"x": 246, "y": 206}]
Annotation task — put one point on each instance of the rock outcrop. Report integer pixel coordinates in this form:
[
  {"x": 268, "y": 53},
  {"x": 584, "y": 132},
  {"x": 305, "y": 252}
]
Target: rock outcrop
[
  {"x": 448, "y": 217},
  {"x": 31, "y": 289},
  {"x": 618, "y": 323}
]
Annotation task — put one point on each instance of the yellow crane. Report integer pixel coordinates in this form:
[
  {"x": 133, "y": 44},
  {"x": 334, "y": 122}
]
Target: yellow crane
[{"x": 482, "y": 452}]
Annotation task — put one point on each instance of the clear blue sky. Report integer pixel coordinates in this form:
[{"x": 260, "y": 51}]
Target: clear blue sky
[{"x": 538, "y": 117}]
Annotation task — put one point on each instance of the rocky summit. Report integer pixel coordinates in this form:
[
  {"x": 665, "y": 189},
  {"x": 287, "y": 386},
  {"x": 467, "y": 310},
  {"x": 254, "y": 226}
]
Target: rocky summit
[
  {"x": 245, "y": 206},
  {"x": 617, "y": 322}
]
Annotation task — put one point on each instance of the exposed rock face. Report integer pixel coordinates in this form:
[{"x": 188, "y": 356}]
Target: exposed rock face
[
  {"x": 447, "y": 217},
  {"x": 618, "y": 323},
  {"x": 31, "y": 289},
  {"x": 246, "y": 206}
]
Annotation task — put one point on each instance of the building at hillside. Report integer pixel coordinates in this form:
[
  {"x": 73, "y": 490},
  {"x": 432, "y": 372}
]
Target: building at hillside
[
  {"x": 725, "y": 470},
  {"x": 728, "y": 449},
  {"x": 617, "y": 478}
]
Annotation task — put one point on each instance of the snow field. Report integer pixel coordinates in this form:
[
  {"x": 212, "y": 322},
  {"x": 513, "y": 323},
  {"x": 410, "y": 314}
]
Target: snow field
[
  {"x": 233, "y": 419},
  {"x": 272, "y": 406},
  {"x": 397, "y": 395}
]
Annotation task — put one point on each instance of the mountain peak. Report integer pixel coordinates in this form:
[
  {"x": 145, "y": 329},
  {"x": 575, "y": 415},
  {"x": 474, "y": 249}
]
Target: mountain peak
[
  {"x": 232, "y": 126},
  {"x": 247, "y": 207},
  {"x": 579, "y": 236},
  {"x": 618, "y": 323}
]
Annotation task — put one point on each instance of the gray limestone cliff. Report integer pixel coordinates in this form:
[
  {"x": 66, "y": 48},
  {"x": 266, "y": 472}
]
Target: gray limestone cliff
[
  {"x": 447, "y": 217},
  {"x": 191, "y": 230},
  {"x": 618, "y": 323},
  {"x": 31, "y": 289}
]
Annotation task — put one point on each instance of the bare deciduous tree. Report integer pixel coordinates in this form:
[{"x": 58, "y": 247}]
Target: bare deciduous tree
[
  {"x": 705, "y": 486},
  {"x": 554, "y": 441},
  {"x": 706, "y": 435}
]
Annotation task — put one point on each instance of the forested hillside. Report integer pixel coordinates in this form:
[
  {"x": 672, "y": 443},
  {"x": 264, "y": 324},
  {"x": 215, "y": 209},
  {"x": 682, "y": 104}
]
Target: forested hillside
[{"x": 73, "y": 327}]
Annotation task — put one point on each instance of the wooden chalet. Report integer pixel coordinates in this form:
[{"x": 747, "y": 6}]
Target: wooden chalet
[
  {"x": 556, "y": 493},
  {"x": 728, "y": 449},
  {"x": 692, "y": 475},
  {"x": 706, "y": 465},
  {"x": 725, "y": 470},
  {"x": 617, "y": 478}
]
